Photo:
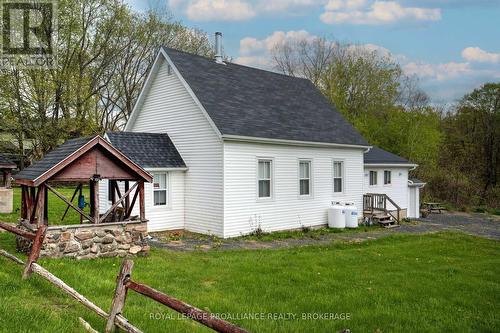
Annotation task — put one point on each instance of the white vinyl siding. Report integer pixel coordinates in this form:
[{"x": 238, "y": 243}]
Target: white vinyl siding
[
  {"x": 169, "y": 108},
  {"x": 387, "y": 177},
  {"x": 373, "y": 178},
  {"x": 265, "y": 181},
  {"x": 167, "y": 217},
  {"x": 305, "y": 183},
  {"x": 338, "y": 176},
  {"x": 397, "y": 191},
  {"x": 286, "y": 210}
]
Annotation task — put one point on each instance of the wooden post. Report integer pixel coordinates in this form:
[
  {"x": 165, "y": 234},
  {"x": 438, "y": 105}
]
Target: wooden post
[
  {"x": 142, "y": 212},
  {"x": 113, "y": 185},
  {"x": 46, "y": 207},
  {"x": 34, "y": 205},
  {"x": 31, "y": 203},
  {"x": 96, "y": 201},
  {"x": 120, "y": 294},
  {"x": 36, "y": 247},
  {"x": 127, "y": 199},
  {"x": 24, "y": 207},
  {"x": 91, "y": 202},
  {"x": 40, "y": 205}
]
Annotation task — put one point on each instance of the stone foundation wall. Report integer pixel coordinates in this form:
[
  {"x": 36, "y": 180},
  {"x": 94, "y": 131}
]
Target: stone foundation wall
[{"x": 86, "y": 241}]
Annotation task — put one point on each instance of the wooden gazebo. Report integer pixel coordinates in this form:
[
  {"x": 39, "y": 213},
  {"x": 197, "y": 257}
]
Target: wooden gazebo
[
  {"x": 83, "y": 161},
  {"x": 6, "y": 167}
]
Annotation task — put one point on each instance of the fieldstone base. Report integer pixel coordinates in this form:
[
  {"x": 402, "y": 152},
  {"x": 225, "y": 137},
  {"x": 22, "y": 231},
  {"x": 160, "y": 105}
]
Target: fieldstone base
[{"x": 86, "y": 241}]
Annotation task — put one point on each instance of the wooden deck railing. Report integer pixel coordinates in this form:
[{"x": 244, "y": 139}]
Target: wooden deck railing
[{"x": 373, "y": 202}]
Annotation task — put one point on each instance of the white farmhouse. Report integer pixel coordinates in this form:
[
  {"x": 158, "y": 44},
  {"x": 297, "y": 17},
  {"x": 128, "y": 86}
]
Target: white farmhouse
[{"x": 234, "y": 148}]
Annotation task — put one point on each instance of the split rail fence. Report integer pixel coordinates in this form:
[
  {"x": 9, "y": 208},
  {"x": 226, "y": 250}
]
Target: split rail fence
[{"x": 124, "y": 282}]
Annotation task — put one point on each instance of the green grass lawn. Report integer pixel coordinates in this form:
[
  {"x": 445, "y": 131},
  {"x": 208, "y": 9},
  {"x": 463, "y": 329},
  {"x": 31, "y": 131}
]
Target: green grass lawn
[
  {"x": 56, "y": 207},
  {"x": 403, "y": 283}
]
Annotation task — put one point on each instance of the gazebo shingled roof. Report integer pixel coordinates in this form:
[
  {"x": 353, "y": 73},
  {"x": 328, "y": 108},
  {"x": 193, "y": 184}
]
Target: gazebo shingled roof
[{"x": 82, "y": 160}]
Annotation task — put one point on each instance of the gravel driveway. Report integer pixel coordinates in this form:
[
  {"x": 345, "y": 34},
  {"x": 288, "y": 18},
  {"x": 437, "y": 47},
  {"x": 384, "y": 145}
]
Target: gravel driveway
[
  {"x": 473, "y": 224},
  {"x": 482, "y": 225}
]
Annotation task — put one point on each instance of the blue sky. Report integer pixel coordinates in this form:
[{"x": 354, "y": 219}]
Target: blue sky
[{"x": 452, "y": 46}]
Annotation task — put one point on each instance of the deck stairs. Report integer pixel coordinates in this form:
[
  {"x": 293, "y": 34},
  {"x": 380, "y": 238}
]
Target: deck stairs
[{"x": 376, "y": 209}]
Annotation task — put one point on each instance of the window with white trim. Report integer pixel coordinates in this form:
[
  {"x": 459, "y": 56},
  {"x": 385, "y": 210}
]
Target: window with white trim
[
  {"x": 373, "y": 178},
  {"x": 265, "y": 173},
  {"x": 338, "y": 176},
  {"x": 305, "y": 178},
  {"x": 160, "y": 181},
  {"x": 387, "y": 177}
]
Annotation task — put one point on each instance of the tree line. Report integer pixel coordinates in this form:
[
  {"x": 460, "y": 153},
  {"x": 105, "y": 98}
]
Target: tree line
[
  {"x": 457, "y": 148},
  {"x": 105, "y": 50}
]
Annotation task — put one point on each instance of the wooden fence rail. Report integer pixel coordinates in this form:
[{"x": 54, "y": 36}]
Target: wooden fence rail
[{"x": 123, "y": 283}]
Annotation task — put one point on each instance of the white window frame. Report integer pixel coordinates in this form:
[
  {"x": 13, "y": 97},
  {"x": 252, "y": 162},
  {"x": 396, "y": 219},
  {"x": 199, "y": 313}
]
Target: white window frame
[
  {"x": 310, "y": 162},
  {"x": 166, "y": 189},
  {"x": 342, "y": 177},
  {"x": 271, "y": 179},
  {"x": 390, "y": 178},
  {"x": 370, "y": 178}
]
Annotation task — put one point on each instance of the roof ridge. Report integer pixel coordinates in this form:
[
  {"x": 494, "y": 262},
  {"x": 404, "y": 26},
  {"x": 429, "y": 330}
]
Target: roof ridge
[{"x": 239, "y": 65}]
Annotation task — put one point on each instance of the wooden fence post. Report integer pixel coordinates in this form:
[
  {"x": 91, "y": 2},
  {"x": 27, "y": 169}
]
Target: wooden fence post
[
  {"x": 35, "y": 250},
  {"x": 120, "y": 294}
]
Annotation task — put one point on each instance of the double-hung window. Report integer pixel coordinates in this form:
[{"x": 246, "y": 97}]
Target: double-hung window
[
  {"x": 338, "y": 176},
  {"x": 305, "y": 178},
  {"x": 265, "y": 174},
  {"x": 387, "y": 177},
  {"x": 160, "y": 196},
  {"x": 373, "y": 178}
]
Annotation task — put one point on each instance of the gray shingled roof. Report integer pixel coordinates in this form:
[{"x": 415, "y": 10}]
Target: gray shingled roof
[
  {"x": 416, "y": 181},
  {"x": 52, "y": 158},
  {"x": 246, "y": 101},
  {"x": 377, "y": 155},
  {"x": 148, "y": 150},
  {"x": 6, "y": 163}
]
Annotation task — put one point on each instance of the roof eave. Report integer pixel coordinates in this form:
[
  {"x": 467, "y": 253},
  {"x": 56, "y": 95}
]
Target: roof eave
[
  {"x": 80, "y": 151},
  {"x": 403, "y": 165},
  {"x": 240, "y": 138}
]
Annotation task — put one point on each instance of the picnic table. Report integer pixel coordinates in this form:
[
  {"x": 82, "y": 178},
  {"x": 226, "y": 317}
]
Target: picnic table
[{"x": 433, "y": 207}]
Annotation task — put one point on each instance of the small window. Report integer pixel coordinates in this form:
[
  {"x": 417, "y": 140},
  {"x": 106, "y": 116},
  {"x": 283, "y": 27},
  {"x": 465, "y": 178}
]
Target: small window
[
  {"x": 265, "y": 178},
  {"x": 338, "y": 176},
  {"x": 373, "y": 178},
  {"x": 305, "y": 178},
  {"x": 387, "y": 177},
  {"x": 160, "y": 189}
]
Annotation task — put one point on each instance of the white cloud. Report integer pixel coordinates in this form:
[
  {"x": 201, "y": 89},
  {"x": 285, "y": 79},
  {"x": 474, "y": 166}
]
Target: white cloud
[
  {"x": 375, "y": 12},
  {"x": 220, "y": 10},
  {"x": 476, "y": 54},
  {"x": 440, "y": 72},
  {"x": 284, "y": 5},
  {"x": 240, "y": 10},
  {"x": 257, "y": 52},
  {"x": 344, "y": 4}
]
